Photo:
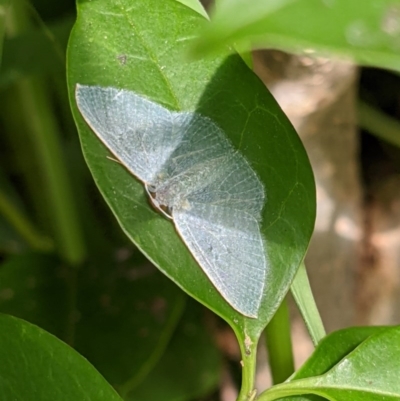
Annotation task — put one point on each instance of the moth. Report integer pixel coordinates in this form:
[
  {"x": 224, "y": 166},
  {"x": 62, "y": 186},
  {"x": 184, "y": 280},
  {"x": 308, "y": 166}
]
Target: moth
[{"x": 194, "y": 176}]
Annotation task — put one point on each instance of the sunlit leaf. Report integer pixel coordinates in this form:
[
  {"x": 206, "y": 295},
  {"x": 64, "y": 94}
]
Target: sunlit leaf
[
  {"x": 365, "y": 367},
  {"x": 112, "y": 45},
  {"x": 368, "y": 34}
]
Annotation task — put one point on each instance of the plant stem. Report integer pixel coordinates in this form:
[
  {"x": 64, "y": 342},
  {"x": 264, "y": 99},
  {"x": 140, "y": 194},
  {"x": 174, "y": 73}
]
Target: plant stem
[
  {"x": 279, "y": 344},
  {"x": 303, "y": 296},
  {"x": 248, "y": 349},
  {"x": 379, "y": 124},
  {"x": 23, "y": 226}
]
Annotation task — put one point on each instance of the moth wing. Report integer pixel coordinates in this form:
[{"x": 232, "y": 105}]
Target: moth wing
[
  {"x": 236, "y": 186},
  {"x": 139, "y": 132},
  {"x": 229, "y": 248}
]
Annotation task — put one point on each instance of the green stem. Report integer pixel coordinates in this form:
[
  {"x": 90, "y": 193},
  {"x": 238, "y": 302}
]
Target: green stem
[
  {"x": 379, "y": 124},
  {"x": 279, "y": 344},
  {"x": 303, "y": 296},
  {"x": 248, "y": 349},
  {"x": 23, "y": 226}
]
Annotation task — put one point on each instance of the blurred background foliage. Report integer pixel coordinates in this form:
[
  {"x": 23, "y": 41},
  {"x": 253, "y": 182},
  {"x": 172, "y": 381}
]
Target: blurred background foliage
[{"x": 65, "y": 264}]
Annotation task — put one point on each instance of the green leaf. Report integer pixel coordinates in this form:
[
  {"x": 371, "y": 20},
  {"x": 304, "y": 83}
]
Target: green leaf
[
  {"x": 368, "y": 34},
  {"x": 329, "y": 352},
  {"x": 37, "y": 366},
  {"x": 190, "y": 368},
  {"x": 112, "y": 45},
  {"x": 361, "y": 364},
  {"x": 196, "y": 6},
  {"x": 333, "y": 348}
]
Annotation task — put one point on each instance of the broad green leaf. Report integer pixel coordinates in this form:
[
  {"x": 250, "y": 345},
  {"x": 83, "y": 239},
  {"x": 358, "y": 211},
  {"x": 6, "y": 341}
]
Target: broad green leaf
[
  {"x": 190, "y": 368},
  {"x": 112, "y": 45},
  {"x": 368, "y": 33},
  {"x": 37, "y": 366},
  {"x": 368, "y": 373}
]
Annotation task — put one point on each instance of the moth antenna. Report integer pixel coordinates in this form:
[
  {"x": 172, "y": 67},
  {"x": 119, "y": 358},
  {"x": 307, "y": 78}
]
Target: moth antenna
[{"x": 114, "y": 160}]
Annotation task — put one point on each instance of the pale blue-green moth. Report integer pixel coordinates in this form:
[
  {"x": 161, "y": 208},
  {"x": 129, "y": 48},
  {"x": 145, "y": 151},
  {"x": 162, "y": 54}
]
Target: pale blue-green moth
[{"x": 195, "y": 176}]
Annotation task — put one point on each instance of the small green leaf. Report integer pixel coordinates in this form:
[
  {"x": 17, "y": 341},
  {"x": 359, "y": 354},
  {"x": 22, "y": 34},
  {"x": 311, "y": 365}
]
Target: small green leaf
[
  {"x": 370, "y": 372},
  {"x": 333, "y": 348},
  {"x": 363, "y": 365},
  {"x": 330, "y": 351},
  {"x": 368, "y": 33},
  {"x": 37, "y": 366},
  {"x": 112, "y": 45}
]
